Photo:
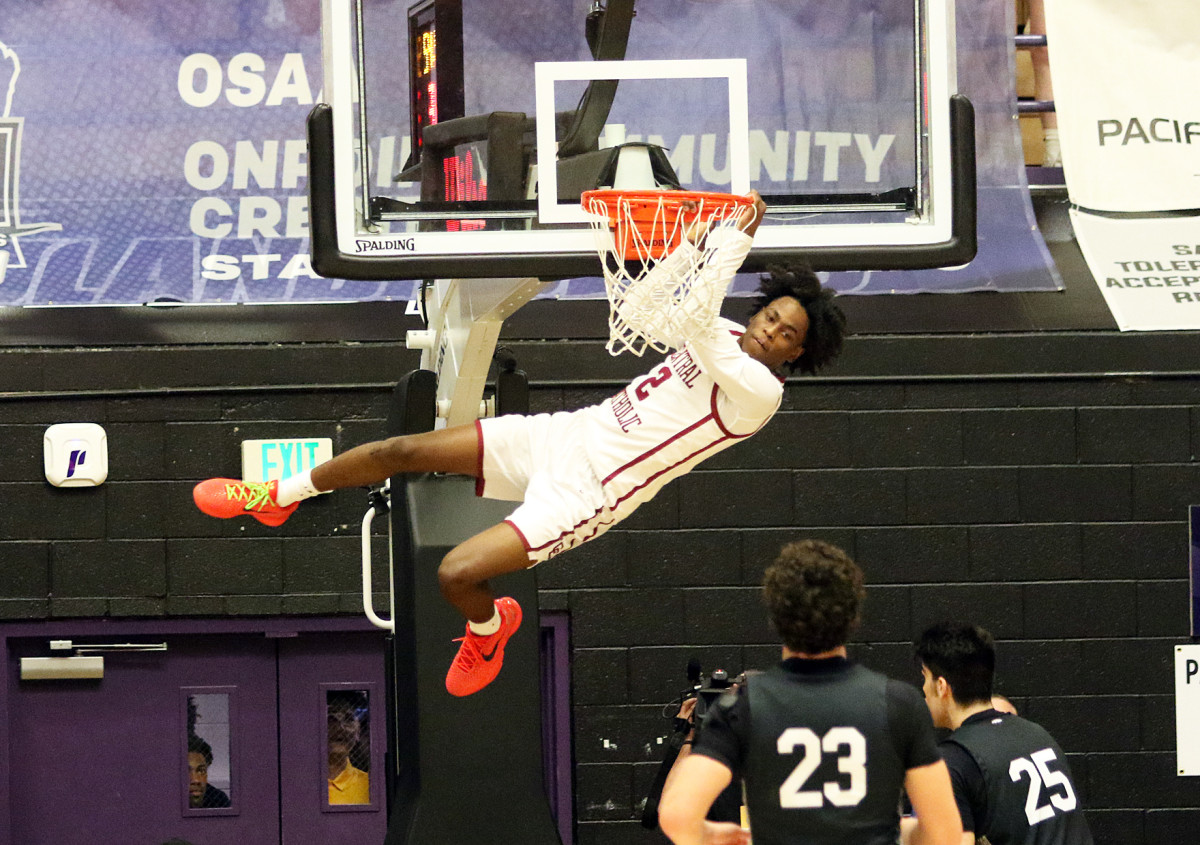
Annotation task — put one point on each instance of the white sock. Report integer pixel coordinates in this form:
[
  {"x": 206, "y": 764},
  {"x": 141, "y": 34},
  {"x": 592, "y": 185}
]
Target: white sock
[
  {"x": 294, "y": 488},
  {"x": 487, "y": 628},
  {"x": 1052, "y": 155}
]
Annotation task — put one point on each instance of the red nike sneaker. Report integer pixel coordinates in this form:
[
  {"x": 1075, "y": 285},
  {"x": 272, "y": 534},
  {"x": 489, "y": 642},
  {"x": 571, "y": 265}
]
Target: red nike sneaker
[
  {"x": 226, "y": 498},
  {"x": 479, "y": 658}
]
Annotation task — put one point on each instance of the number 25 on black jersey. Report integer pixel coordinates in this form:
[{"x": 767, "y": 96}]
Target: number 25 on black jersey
[{"x": 1036, "y": 767}]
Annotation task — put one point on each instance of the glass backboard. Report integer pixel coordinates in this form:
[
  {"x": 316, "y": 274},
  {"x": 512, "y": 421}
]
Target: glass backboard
[{"x": 455, "y": 136}]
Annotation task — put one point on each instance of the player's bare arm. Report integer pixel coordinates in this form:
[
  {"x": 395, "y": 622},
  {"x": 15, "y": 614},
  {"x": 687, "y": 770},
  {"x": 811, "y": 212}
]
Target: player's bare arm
[
  {"x": 690, "y": 790},
  {"x": 935, "y": 818}
]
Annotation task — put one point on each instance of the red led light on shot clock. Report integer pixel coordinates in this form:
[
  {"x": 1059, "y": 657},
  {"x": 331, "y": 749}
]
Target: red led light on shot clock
[{"x": 461, "y": 185}]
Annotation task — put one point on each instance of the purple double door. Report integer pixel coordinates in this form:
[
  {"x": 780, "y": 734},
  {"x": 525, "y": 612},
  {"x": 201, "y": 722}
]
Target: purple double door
[{"x": 222, "y": 738}]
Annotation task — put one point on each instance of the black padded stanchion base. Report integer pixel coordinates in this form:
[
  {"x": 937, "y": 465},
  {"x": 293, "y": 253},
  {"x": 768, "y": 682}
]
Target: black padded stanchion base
[{"x": 470, "y": 768}]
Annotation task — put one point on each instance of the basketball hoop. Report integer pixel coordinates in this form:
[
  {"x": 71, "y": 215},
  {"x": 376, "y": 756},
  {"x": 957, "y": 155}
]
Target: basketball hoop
[{"x": 658, "y": 291}]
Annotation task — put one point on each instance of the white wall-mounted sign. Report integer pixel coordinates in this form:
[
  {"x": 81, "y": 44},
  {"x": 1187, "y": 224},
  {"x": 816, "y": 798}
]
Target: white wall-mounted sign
[
  {"x": 1129, "y": 127},
  {"x": 75, "y": 454},
  {"x": 1187, "y": 709}
]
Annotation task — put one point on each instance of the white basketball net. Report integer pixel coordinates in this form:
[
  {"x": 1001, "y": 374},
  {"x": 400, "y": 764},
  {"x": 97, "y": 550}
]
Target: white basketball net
[{"x": 662, "y": 289}]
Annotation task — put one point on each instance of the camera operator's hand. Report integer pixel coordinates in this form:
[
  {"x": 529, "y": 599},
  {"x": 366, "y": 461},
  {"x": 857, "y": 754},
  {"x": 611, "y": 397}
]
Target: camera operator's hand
[{"x": 685, "y": 719}]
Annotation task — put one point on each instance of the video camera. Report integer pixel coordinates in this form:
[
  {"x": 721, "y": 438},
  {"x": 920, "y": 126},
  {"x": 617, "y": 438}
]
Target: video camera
[
  {"x": 708, "y": 689},
  {"x": 705, "y": 690}
]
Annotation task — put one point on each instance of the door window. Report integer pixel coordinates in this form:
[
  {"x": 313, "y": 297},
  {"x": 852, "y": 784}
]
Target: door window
[
  {"x": 208, "y": 752},
  {"x": 347, "y": 763}
]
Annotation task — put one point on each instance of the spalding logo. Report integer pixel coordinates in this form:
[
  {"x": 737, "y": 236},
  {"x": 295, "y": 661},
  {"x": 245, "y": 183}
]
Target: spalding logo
[{"x": 394, "y": 245}]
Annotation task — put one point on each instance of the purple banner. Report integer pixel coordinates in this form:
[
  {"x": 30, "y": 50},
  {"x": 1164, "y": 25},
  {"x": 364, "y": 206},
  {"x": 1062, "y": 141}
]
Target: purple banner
[{"x": 155, "y": 151}]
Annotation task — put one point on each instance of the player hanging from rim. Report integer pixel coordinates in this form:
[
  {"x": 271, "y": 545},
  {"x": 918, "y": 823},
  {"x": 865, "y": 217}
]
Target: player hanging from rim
[{"x": 578, "y": 473}]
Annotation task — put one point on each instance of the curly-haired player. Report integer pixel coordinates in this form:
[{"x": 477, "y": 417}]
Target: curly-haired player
[
  {"x": 821, "y": 744},
  {"x": 579, "y": 473}
]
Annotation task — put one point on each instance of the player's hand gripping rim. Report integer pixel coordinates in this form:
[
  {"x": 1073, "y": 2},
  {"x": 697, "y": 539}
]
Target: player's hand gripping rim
[{"x": 748, "y": 220}]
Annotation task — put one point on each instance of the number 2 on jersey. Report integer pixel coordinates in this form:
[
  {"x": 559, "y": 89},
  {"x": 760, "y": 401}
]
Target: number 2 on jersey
[
  {"x": 1036, "y": 766},
  {"x": 793, "y": 795},
  {"x": 643, "y": 389}
]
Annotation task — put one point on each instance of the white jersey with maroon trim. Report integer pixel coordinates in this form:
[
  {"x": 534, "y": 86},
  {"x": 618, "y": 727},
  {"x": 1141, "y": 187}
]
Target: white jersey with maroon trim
[{"x": 703, "y": 398}]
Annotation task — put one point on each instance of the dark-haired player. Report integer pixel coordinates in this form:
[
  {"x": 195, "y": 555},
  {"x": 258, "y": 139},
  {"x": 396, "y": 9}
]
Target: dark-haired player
[
  {"x": 579, "y": 473},
  {"x": 1011, "y": 781},
  {"x": 822, "y": 745}
]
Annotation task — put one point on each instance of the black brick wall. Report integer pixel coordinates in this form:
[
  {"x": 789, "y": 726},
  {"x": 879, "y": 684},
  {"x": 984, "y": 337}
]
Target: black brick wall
[{"x": 1010, "y": 481}]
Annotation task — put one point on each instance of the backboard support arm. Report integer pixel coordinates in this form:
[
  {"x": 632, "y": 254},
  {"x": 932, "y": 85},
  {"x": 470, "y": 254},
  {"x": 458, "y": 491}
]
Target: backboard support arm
[{"x": 465, "y": 318}]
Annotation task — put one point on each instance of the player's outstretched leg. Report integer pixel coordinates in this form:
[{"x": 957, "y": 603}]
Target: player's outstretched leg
[
  {"x": 226, "y": 498},
  {"x": 480, "y": 657},
  {"x": 453, "y": 450}
]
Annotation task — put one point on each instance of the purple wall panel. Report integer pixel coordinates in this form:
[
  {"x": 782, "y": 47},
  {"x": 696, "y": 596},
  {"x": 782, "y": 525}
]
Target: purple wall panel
[
  {"x": 105, "y": 756},
  {"x": 103, "y": 761},
  {"x": 308, "y": 668}
]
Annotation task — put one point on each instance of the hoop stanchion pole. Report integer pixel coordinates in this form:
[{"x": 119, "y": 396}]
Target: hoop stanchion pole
[{"x": 466, "y": 770}]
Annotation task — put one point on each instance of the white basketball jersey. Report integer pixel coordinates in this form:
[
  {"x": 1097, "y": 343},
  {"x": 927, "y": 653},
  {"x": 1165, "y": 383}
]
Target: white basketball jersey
[{"x": 667, "y": 421}]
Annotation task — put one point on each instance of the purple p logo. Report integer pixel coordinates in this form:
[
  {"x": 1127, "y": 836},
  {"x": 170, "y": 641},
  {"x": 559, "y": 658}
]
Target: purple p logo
[{"x": 76, "y": 459}]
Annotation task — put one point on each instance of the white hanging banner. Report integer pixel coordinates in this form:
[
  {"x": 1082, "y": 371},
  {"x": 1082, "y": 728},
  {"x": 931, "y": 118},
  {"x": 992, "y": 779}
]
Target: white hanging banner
[
  {"x": 1187, "y": 709},
  {"x": 1128, "y": 103},
  {"x": 1148, "y": 269}
]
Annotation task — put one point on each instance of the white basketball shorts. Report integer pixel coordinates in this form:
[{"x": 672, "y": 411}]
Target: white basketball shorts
[{"x": 541, "y": 461}]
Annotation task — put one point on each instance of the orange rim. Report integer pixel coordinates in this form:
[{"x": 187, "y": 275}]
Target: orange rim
[
  {"x": 654, "y": 215},
  {"x": 670, "y": 199}
]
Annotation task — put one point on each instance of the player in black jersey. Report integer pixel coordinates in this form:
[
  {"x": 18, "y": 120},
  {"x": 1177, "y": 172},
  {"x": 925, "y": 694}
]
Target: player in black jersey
[
  {"x": 821, "y": 744},
  {"x": 1011, "y": 781}
]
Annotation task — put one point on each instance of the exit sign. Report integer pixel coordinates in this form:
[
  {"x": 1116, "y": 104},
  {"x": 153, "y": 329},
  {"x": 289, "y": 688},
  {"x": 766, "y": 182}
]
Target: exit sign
[{"x": 266, "y": 460}]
